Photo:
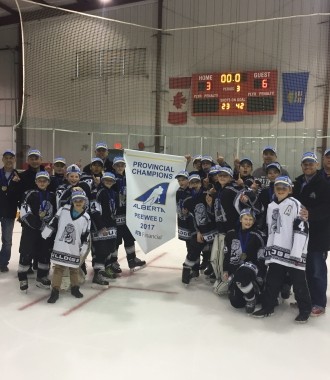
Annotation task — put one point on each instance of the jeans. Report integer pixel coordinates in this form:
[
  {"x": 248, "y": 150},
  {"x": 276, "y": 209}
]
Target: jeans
[
  {"x": 7, "y": 227},
  {"x": 317, "y": 277}
]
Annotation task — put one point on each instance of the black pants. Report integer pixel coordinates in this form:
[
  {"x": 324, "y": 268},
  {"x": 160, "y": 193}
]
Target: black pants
[
  {"x": 123, "y": 233},
  {"x": 33, "y": 246},
  {"x": 102, "y": 251},
  {"x": 244, "y": 276},
  {"x": 194, "y": 249},
  {"x": 274, "y": 280}
]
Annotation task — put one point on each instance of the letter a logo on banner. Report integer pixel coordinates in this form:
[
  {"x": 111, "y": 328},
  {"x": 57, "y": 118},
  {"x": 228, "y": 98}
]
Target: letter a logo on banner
[
  {"x": 150, "y": 203},
  {"x": 156, "y": 194}
]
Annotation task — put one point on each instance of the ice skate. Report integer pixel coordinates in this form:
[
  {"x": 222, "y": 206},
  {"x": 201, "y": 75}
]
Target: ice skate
[
  {"x": 250, "y": 305},
  {"x": 23, "y": 285},
  {"x": 53, "y": 296},
  {"x": 188, "y": 273},
  {"x": 115, "y": 267},
  {"x": 107, "y": 275},
  {"x": 76, "y": 292},
  {"x": 209, "y": 270},
  {"x": 136, "y": 264},
  {"x": 262, "y": 313},
  {"x": 43, "y": 282},
  {"x": 110, "y": 273},
  {"x": 302, "y": 318},
  {"x": 99, "y": 282}
]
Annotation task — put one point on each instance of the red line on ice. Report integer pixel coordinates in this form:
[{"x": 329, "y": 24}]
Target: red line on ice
[{"x": 33, "y": 302}]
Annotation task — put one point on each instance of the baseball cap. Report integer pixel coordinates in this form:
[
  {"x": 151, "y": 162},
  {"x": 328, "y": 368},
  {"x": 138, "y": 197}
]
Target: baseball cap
[
  {"x": 269, "y": 147},
  {"x": 182, "y": 173},
  {"x": 34, "y": 152},
  {"x": 59, "y": 160},
  {"x": 207, "y": 158},
  {"x": 224, "y": 169},
  {"x": 97, "y": 160},
  {"x": 274, "y": 165},
  {"x": 194, "y": 177},
  {"x": 247, "y": 211},
  {"x": 101, "y": 145},
  {"x": 78, "y": 194},
  {"x": 196, "y": 158},
  {"x": 215, "y": 170},
  {"x": 284, "y": 181},
  {"x": 8, "y": 151},
  {"x": 309, "y": 156},
  {"x": 118, "y": 159},
  {"x": 246, "y": 159},
  {"x": 73, "y": 169},
  {"x": 326, "y": 152},
  {"x": 43, "y": 174},
  {"x": 108, "y": 175}
]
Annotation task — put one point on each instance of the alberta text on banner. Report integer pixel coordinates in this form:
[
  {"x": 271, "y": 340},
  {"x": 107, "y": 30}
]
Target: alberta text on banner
[{"x": 151, "y": 188}]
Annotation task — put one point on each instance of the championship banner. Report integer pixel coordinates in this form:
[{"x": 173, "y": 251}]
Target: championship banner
[
  {"x": 294, "y": 93},
  {"x": 150, "y": 199},
  {"x": 178, "y": 100}
]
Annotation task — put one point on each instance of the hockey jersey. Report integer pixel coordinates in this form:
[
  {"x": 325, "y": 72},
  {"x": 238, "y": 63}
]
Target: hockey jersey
[
  {"x": 183, "y": 219},
  {"x": 37, "y": 209},
  {"x": 103, "y": 208},
  {"x": 72, "y": 236},
  {"x": 287, "y": 234},
  {"x": 63, "y": 193},
  {"x": 244, "y": 247},
  {"x": 121, "y": 188}
]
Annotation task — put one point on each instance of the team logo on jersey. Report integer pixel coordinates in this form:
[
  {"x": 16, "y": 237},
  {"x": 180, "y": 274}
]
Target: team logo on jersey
[
  {"x": 312, "y": 195},
  {"x": 69, "y": 234},
  {"x": 288, "y": 211},
  {"x": 155, "y": 195}
]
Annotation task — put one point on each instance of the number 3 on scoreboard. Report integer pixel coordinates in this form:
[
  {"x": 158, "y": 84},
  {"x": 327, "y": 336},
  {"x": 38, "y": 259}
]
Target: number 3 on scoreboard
[{"x": 208, "y": 85}]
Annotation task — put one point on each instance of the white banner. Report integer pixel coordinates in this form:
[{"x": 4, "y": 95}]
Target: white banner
[{"x": 151, "y": 188}]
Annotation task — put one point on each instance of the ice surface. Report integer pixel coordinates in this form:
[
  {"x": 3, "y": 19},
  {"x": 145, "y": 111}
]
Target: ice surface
[{"x": 149, "y": 326}]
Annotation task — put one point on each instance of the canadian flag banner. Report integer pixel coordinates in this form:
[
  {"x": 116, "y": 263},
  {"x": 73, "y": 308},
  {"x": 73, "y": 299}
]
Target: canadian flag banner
[{"x": 178, "y": 100}]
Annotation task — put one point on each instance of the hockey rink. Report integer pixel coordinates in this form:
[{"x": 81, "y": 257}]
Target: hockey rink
[{"x": 149, "y": 326}]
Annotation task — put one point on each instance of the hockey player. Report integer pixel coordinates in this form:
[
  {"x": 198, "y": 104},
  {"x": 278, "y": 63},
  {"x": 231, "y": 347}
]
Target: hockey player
[
  {"x": 103, "y": 209},
  {"x": 123, "y": 233},
  {"x": 201, "y": 227},
  {"x": 285, "y": 251},
  {"x": 72, "y": 226},
  {"x": 102, "y": 152},
  {"x": 243, "y": 264},
  {"x": 37, "y": 210},
  {"x": 63, "y": 192},
  {"x": 57, "y": 179},
  {"x": 93, "y": 177},
  {"x": 244, "y": 178}
]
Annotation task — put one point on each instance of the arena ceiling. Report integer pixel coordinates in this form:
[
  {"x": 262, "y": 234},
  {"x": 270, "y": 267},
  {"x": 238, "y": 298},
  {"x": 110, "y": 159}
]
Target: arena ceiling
[{"x": 9, "y": 14}]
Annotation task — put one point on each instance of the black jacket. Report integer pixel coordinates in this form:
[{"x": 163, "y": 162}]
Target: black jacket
[
  {"x": 9, "y": 198},
  {"x": 28, "y": 180},
  {"x": 315, "y": 196}
]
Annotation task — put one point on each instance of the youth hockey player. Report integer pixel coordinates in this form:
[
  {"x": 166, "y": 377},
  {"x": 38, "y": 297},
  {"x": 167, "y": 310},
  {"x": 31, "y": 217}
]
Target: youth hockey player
[
  {"x": 123, "y": 233},
  {"x": 243, "y": 264},
  {"x": 201, "y": 227},
  {"x": 103, "y": 209},
  {"x": 58, "y": 177},
  {"x": 285, "y": 251},
  {"x": 36, "y": 211},
  {"x": 72, "y": 226}
]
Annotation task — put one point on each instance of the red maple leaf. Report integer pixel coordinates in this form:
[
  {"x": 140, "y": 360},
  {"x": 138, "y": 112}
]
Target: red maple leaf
[{"x": 179, "y": 100}]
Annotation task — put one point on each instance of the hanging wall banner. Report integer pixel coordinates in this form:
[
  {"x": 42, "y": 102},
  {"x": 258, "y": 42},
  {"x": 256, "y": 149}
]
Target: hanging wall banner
[
  {"x": 294, "y": 93},
  {"x": 178, "y": 100},
  {"x": 150, "y": 202}
]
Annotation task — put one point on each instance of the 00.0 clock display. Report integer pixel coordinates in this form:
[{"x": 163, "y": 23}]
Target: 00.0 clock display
[{"x": 229, "y": 78}]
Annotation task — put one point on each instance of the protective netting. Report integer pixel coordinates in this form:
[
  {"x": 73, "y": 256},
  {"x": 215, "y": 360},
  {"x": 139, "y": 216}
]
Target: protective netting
[{"x": 103, "y": 78}]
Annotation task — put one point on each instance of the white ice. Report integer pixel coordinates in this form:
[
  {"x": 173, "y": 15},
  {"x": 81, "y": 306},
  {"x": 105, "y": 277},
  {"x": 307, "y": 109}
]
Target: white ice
[{"x": 149, "y": 326}]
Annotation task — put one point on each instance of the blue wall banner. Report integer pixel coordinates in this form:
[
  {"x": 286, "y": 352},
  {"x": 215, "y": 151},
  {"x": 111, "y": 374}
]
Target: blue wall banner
[
  {"x": 294, "y": 93},
  {"x": 150, "y": 202}
]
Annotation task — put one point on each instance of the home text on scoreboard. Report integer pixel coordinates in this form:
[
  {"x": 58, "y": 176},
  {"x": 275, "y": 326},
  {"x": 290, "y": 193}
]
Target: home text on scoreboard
[{"x": 235, "y": 93}]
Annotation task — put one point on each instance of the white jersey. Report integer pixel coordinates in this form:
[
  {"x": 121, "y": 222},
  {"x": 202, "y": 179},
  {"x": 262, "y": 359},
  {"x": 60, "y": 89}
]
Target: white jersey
[
  {"x": 72, "y": 237},
  {"x": 287, "y": 234}
]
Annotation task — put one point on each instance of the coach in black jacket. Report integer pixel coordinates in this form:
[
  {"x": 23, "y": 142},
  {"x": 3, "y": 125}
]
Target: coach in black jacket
[
  {"x": 313, "y": 191},
  {"x": 9, "y": 197}
]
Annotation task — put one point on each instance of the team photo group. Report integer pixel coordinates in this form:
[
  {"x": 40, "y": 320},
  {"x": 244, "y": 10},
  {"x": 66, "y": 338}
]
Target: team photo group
[{"x": 255, "y": 234}]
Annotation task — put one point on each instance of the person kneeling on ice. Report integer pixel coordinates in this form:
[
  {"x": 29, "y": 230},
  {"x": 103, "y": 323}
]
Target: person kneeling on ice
[
  {"x": 72, "y": 226},
  {"x": 243, "y": 264},
  {"x": 286, "y": 251}
]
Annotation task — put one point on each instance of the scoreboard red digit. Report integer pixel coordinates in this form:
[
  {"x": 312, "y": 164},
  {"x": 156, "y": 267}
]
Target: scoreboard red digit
[{"x": 235, "y": 93}]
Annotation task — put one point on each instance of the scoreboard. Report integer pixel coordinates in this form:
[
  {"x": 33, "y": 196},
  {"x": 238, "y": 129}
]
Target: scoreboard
[{"x": 235, "y": 93}]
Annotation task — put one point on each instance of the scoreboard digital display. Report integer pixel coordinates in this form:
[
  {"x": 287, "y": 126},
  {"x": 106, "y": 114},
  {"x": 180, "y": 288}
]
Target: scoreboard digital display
[{"x": 235, "y": 93}]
